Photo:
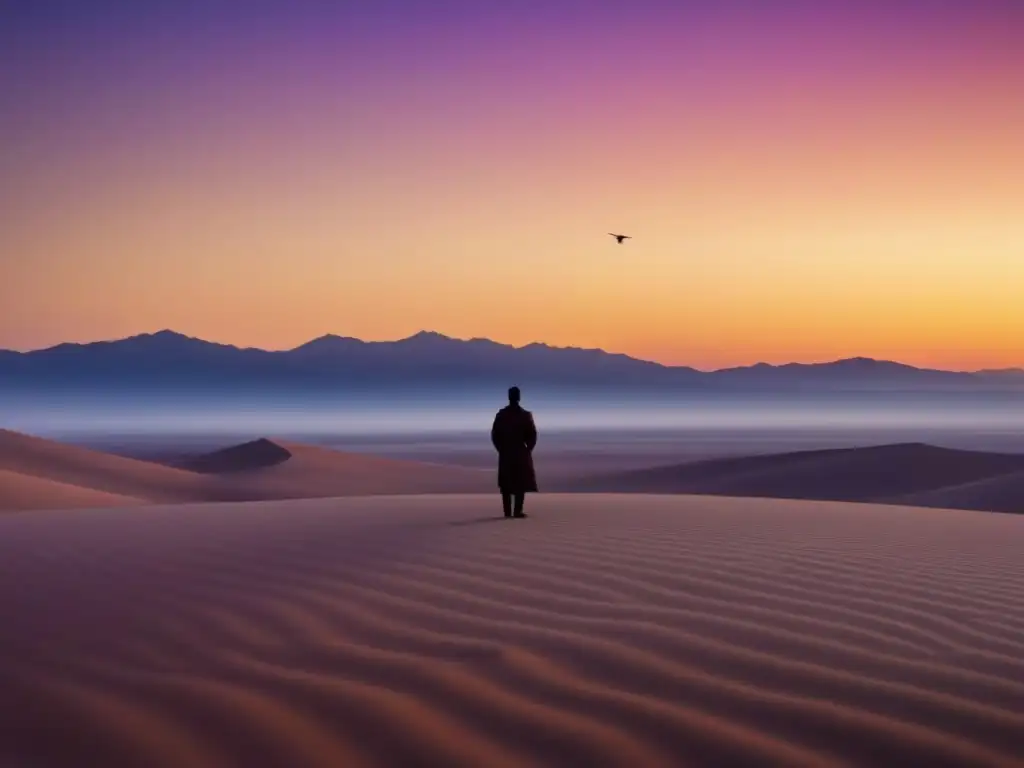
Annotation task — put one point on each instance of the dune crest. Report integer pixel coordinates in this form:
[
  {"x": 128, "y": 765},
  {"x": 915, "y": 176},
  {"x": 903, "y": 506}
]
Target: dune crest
[
  {"x": 898, "y": 473},
  {"x": 313, "y": 471},
  {"x": 1003, "y": 493},
  {"x": 98, "y": 471},
  {"x": 256, "y": 454},
  {"x": 21, "y": 492}
]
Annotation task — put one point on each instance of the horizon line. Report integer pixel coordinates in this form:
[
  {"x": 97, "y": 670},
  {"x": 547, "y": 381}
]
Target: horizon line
[{"x": 426, "y": 332}]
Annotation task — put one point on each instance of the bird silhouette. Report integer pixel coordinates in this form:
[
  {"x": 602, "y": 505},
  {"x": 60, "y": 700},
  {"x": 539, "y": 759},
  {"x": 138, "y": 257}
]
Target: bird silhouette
[{"x": 620, "y": 238}]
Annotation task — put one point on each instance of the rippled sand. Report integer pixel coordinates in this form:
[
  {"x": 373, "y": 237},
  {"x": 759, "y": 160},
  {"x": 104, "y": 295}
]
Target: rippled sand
[{"x": 423, "y": 631}]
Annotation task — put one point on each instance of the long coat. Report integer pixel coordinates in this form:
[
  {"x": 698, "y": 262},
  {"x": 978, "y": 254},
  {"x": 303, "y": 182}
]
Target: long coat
[{"x": 514, "y": 436}]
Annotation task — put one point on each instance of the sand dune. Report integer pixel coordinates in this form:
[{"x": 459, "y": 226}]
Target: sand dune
[
  {"x": 876, "y": 473},
  {"x": 245, "y": 457},
  {"x": 907, "y": 474},
  {"x": 258, "y": 470},
  {"x": 1004, "y": 493},
  {"x": 307, "y": 471},
  {"x": 18, "y": 492},
  {"x": 84, "y": 468},
  {"x": 602, "y": 631}
]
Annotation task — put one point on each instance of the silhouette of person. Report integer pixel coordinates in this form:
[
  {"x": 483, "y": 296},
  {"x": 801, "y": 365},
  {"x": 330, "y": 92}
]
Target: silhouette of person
[{"x": 514, "y": 436}]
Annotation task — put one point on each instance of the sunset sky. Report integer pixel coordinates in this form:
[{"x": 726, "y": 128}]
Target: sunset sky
[{"x": 803, "y": 180}]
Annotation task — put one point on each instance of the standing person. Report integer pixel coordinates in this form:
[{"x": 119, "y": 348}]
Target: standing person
[{"x": 514, "y": 436}]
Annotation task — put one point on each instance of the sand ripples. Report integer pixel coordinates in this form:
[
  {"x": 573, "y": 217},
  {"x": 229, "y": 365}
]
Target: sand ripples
[{"x": 604, "y": 631}]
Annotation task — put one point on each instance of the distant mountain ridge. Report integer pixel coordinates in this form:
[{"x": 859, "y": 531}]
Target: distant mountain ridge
[{"x": 430, "y": 358}]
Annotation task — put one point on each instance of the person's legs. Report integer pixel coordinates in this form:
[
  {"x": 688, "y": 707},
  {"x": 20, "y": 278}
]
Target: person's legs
[
  {"x": 520, "y": 500},
  {"x": 506, "y": 503}
]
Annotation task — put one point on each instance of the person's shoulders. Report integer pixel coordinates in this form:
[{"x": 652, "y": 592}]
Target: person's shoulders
[{"x": 512, "y": 408}]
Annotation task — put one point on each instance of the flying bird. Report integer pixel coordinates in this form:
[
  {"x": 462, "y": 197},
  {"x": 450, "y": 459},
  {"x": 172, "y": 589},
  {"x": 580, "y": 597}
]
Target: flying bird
[{"x": 620, "y": 238}]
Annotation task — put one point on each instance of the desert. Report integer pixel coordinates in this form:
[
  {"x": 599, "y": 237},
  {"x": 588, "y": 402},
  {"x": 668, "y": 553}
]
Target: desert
[
  {"x": 392, "y": 627},
  {"x": 474, "y": 384}
]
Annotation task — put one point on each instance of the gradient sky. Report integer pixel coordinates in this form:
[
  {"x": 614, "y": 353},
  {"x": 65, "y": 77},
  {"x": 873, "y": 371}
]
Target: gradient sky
[{"x": 804, "y": 181}]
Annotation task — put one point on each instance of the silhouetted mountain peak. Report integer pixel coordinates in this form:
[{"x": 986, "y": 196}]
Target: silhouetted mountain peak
[
  {"x": 428, "y": 337},
  {"x": 1002, "y": 371},
  {"x": 169, "y": 339},
  {"x": 869, "y": 363},
  {"x": 161, "y": 339},
  {"x": 329, "y": 342},
  {"x": 539, "y": 346},
  {"x": 843, "y": 365}
]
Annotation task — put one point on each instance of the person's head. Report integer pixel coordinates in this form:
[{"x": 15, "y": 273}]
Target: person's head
[{"x": 513, "y": 395}]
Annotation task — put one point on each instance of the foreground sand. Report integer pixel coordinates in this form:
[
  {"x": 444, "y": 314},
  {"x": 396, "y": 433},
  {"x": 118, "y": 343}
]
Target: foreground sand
[{"x": 422, "y": 631}]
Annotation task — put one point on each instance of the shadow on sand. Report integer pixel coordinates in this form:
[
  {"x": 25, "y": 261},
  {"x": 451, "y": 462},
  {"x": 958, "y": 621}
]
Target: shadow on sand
[{"x": 479, "y": 520}]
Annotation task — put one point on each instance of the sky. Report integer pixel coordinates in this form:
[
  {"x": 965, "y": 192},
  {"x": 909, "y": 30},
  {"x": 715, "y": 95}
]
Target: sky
[{"x": 803, "y": 181}]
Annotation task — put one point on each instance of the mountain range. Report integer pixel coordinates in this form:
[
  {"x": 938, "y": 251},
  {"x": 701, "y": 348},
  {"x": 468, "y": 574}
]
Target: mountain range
[{"x": 429, "y": 359}]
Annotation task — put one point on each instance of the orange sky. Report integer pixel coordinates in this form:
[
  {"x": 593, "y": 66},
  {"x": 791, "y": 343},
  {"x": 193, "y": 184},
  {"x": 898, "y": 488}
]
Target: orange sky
[{"x": 789, "y": 200}]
